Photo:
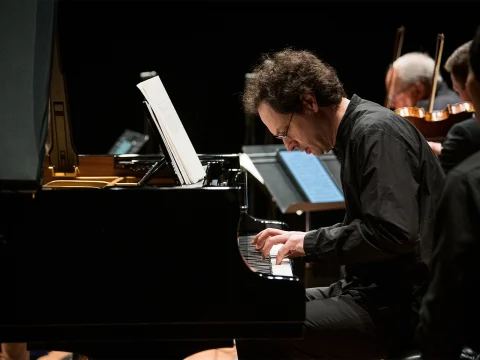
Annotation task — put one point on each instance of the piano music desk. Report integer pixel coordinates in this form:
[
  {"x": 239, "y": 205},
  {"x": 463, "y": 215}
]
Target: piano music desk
[{"x": 260, "y": 161}]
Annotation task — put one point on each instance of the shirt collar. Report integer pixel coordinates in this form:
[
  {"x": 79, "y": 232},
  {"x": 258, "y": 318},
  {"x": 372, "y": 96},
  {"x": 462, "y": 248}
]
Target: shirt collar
[{"x": 345, "y": 127}]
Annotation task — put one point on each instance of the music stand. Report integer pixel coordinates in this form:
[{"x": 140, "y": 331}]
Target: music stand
[{"x": 262, "y": 161}]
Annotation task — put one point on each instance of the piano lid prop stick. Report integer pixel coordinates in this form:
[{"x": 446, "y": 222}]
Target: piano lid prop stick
[{"x": 155, "y": 167}]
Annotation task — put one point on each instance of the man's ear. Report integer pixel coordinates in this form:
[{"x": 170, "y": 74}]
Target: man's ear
[
  {"x": 309, "y": 102},
  {"x": 419, "y": 91}
]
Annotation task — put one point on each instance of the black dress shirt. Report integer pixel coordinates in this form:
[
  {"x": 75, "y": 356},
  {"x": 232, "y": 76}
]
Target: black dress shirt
[
  {"x": 450, "y": 313},
  {"x": 462, "y": 140},
  {"x": 392, "y": 183}
]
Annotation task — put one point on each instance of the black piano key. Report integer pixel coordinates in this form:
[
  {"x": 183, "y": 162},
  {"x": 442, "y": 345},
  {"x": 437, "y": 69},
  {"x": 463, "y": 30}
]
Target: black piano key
[{"x": 253, "y": 256}]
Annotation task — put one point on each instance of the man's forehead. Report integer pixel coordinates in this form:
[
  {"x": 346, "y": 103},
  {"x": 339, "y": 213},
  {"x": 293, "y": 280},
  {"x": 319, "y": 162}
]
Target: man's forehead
[
  {"x": 266, "y": 111},
  {"x": 391, "y": 74},
  {"x": 272, "y": 119}
]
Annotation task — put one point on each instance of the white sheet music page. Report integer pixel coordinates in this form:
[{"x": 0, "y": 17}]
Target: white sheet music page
[
  {"x": 171, "y": 126},
  {"x": 174, "y": 156},
  {"x": 168, "y": 145}
]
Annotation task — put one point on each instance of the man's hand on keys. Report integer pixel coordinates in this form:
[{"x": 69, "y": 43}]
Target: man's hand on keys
[{"x": 292, "y": 243}]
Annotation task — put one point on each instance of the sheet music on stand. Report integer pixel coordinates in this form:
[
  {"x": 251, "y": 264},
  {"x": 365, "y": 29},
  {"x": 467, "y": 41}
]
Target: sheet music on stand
[
  {"x": 184, "y": 159},
  {"x": 311, "y": 177},
  {"x": 296, "y": 181}
]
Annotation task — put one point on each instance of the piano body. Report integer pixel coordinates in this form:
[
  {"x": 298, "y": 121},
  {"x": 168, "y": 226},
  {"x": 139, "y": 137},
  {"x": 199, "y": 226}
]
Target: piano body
[{"x": 97, "y": 257}]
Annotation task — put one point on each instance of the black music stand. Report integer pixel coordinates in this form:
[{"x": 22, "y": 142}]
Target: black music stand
[{"x": 262, "y": 161}]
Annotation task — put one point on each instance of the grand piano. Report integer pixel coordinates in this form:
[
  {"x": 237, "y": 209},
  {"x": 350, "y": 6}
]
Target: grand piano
[{"x": 102, "y": 258}]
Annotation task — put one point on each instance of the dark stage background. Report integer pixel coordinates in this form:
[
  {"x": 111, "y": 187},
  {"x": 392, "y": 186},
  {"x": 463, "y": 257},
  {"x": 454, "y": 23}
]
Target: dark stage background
[{"x": 202, "y": 51}]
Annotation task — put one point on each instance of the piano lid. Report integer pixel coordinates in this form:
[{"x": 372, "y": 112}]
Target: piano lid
[{"x": 26, "y": 34}]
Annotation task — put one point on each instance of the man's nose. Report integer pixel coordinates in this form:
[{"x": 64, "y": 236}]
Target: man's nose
[{"x": 290, "y": 144}]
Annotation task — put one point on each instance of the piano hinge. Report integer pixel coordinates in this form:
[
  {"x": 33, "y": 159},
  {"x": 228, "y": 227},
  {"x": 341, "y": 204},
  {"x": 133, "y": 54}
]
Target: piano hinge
[{"x": 74, "y": 174}]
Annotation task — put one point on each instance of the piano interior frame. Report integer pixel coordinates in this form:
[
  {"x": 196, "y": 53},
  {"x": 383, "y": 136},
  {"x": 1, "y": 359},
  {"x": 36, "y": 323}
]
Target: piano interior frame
[{"x": 64, "y": 168}]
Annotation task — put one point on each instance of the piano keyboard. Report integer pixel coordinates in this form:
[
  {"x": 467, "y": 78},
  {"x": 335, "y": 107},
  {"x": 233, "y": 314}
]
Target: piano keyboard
[{"x": 265, "y": 266}]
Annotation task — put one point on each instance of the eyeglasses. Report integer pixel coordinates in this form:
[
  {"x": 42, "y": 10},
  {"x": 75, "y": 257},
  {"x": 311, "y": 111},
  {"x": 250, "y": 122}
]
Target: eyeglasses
[{"x": 284, "y": 134}]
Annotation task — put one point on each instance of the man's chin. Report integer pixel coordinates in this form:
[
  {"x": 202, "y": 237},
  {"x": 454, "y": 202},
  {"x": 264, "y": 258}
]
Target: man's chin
[{"x": 318, "y": 151}]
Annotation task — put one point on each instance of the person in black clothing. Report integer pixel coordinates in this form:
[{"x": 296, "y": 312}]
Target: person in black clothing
[
  {"x": 463, "y": 139},
  {"x": 391, "y": 182},
  {"x": 412, "y": 75},
  {"x": 450, "y": 314}
]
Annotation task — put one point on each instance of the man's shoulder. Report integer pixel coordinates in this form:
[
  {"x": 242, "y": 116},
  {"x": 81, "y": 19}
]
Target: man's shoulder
[
  {"x": 374, "y": 118},
  {"x": 467, "y": 172},
  {"x": 469, "y": 165},
  {"x": 469, "y": 126},
  {"x": 443, "y": 98},
  {"x": 450, "y": 97}
]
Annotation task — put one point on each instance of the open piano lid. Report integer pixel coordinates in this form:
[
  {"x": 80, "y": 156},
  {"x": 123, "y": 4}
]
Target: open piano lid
[{"x": 26, "y": 38}]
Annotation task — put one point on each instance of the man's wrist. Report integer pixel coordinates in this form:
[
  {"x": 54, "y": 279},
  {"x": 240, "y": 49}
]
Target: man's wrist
[{"x": 310, "y": 243}]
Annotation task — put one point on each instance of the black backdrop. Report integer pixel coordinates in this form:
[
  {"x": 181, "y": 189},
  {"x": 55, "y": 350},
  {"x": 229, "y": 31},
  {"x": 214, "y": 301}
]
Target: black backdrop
[{"x": 203, "y": 50}]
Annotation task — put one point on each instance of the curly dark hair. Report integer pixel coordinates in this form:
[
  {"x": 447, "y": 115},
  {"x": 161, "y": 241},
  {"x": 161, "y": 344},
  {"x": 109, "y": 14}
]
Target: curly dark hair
[
  {"x": 282, "y": 77},
  {"x": 474, "y": 55}
]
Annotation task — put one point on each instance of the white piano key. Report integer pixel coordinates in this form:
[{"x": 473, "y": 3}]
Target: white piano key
[
  {"x": 274, "y": 250},
  {"x": 284, "y": 269}
]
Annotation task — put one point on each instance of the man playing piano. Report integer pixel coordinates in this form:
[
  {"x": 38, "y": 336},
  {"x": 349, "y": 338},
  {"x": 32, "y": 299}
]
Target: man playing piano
[{"x": 391, "y": 182}]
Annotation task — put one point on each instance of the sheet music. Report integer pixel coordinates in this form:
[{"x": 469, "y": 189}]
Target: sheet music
[
  {"x": 248, "y": 165},
  {"x": 312, "y": 177},
  {"x": 174, "y": 134},
  {"x": 168, "y": 145}
]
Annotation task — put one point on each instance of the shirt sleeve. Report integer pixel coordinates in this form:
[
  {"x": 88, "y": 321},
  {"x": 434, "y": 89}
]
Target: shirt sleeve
[
  {"x": 455, "y": 148},
  {"x": 384, "y": 174},
  {"x": 444, "y": 327}
]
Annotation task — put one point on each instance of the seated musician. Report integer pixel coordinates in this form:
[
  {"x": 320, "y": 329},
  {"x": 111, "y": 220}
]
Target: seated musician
[
  {"x": 450, "y": 314},
  {"x": 463, "y": 139},
  {"x": 391, "y": 182},
  {"x": 412, "y": 76}
]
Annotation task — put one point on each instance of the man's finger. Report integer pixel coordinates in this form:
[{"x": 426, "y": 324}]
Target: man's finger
[
  {"x": 273, "y": 240},
  {"x": 283, "y": 251},
  {"x": 264, "y": 236},
  {"x": 255, "y": 238}
]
